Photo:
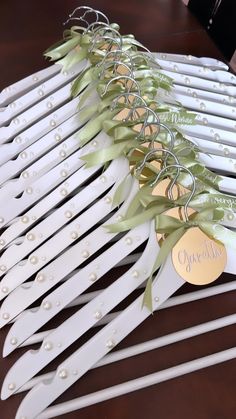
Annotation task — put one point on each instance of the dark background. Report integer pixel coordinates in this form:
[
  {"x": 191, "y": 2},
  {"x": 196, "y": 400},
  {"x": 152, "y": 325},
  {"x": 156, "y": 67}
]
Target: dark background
[{"x": 27, "y": 28}]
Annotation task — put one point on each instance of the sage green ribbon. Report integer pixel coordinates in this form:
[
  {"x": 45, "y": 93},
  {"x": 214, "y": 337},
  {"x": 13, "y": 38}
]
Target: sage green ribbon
[
  {"x": 176, "y": 229},
  {"x": 108, "y": 153},
  {"x": 93, "y": 127}
]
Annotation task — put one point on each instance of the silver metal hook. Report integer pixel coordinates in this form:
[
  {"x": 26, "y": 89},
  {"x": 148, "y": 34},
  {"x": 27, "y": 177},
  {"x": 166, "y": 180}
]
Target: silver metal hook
[
  {"x": 180, "y": 167},
  {"x": 105, "y": 37},
  {"x": 121, "y": 78},
  {"x": 106, "y": 28},
  {"x": 161, "y": 125},
  {"x": 126, "y": 95},
  {"x": 146, "y": 122},
  {"x": 87, "y": 11},
  {"x": 81, "y": 18},
  {"x": 116, "y": 52},
  {"x": 141, "y": 166},
  {"x": 146, "y": 57},
  {"x": 115, "y": 64}
]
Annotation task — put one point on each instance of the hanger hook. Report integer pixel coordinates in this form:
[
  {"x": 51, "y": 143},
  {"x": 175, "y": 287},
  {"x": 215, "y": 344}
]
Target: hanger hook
[
  {"x": 81, "y": 18},
  {"x": 115, "y": 64},
  {"x": 180, "y": 167},
  {"x": 127, "y": 95},
  {"x": 141, "y": 166},
  {"x": 116, "y": 52},
  {"x": 122, "y": 78}
]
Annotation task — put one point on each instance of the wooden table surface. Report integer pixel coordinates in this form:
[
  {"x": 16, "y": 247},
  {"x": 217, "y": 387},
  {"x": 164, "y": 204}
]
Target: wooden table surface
[{"x": 27, "y": 28}]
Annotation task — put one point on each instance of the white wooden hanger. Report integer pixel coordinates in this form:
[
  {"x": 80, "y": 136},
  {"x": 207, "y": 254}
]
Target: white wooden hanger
[
  {"x": 202, "y": 71},
  {"x": 10, "y": 93},
  {"x": 194, "y": 81},
  {"x": 37, "y": 111},
  {"x": 43, "y": 162},
  {"x": 104, "y": 339},
  {"x": 60, "y": 217},
  {"x": 137, "y": 384},
  {"x": 84, "y": 298},
  {"x": 32, "y": 97},
  {"x": 93, "y": 350},
  {"x": 206, "y": 62}
]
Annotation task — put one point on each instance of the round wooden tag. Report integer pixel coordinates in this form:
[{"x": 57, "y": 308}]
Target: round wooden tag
[{"x": 197, "y": 258}]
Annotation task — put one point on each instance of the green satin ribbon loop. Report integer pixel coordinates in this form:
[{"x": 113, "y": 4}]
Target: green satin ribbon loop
[
  {"x": 70, "y": 60},
  {"x": 141, "y": 218},
  {"x": 107, "y": 154},
  {"x": 61, "y": 48},
  {"x": 92, "y": 128},
  {"x": 87, "y": 76}
]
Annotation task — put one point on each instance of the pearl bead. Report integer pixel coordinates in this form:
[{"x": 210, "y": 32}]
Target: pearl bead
[
  {"x": 216, "y": 137},
  {"x": 226, "y": 151},
  {"x": 202, "y": 106},
  {"x": 63, "y": 173},
  {"x": 156, "y": 299},
  {"x": 110, "y": 344},
  {"x": 3, "y": 268},
  {"x": 103, "y": 179},
  {"x": 40, "y": 278},
  {"x": 30, "y": 236},
  {"x": 23, "y": 155},
  {"x": 40, "y": 92},
  {"x": 107, "y": 199},
  {"x": 49, "y": 105},
  {"x": 62, "y": 153},
  {"x": 68, "y": 214},
  {"x": 128, "y": 240},
  {"x": 74, "y": 235},
  {"x": 63, "y": 192},
  {"x": 25, "y": 219},
  {"x": 16, "y": 121},
  {"x": 187, "y": 80},
  {"x": 29, "y": 190},
  {"x": 85, "y": 254},
  {"x": 230, "y": 217},
  {"x": 1, "y": 220},
  {"x": 46, "y": 305},
  {"x": 119, "y": 217},
  {"x": 93, "y": 277},
  {"x": 63, "y": 374},
  {"x": 35, "y": 78},
  {"x": 65, "y": 73},
  {"x": 176, "y": 68},
  {"x": 48, "y": 346},
  {"x": 18, "y": 140},
  {"x": 94, "y": 143},
  {"x": 98, "y": 315},
  {"x": 57, "y": 137},
  {"x": 135, "y": 274},
  {"x": 5, "y": 316},
  {"x": 5, "y": 290},
  {"x": 33, "y": 260},
  {"x": 11, "y": 386},
  {"x": 13, "y": 341},
  {"x": 53, "y": 123},
  {"x": 205, "y": 121},
  {"x": 2, "y": 242},
  {"x": 25, "y": 175}
]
